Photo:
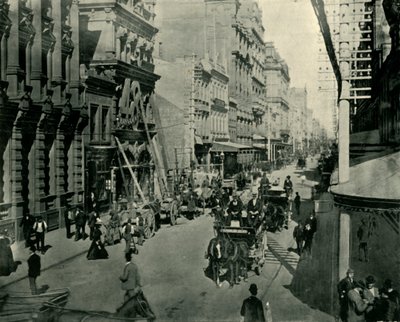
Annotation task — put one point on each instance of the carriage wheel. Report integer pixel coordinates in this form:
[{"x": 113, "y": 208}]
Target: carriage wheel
[
  {"x": 151, "y": 225},
  {"x": 173, "y": 213}
]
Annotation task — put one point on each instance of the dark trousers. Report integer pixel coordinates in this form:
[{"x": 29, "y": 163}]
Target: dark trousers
[
  {"x": 27, "y": 235},
  {"x": 80, "y": 231},
  {"x": 68, "y": 227},
  {"x": 299, "y": 243},
  {"x": 40, "y": 239},
  {"x": 32, "y": 285},
  {"x": 297, "y": 209}
]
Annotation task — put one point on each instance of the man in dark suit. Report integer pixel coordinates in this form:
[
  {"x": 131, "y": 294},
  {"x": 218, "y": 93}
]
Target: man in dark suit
[
  {"x": 80, "y": 221},
  {"x": 254, "y": 211},
  {"x": 27, "y": 223},
  {"x": 252, "y": 308},
  {"x": 130, "y": 278},
  {"x": 343, "y": 287},
  {"x": 68, "y": 217},
  {"x": 235, "y": 209},
  {"x": 33, "y": 269}
]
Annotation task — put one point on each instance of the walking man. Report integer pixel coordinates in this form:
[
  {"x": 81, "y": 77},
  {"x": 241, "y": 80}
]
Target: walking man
[
  {"x": 27, "y": 223},
  {"x": 69, "y": 216},
  {"x": 298, "y": 235},
  {"x": 343, "y": 287},
  {"x": 33, "y": 269},
  {"x": 140, "y": 228},
  {"x": 40, "y": 228},
  {"x": 297, "y": 203},
  {"x": 80, "y": 221},
  {"x": 130, "y": 278},
  {"x": 127, "y": 231},
  {"x": 252, "y": 308}
]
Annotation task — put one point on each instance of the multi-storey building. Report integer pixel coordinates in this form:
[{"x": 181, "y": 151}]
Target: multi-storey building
[
  {"x": 210, "y": 102},
  {"x": 117, "y": 72},
  {"x": 77, "y": 75},
  {"x": 278, "y": 80},
  {"x": 42, "y": 112},
  {"x": 298, "y": 119}
]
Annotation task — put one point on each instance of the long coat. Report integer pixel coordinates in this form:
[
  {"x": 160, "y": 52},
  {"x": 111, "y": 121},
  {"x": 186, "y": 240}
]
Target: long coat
[
  {"x": 356, "y": 307},
  {"x": 34, "y": 265},
  {"x": 252, "y": 310},
  {"x": 130, "y": 277}
]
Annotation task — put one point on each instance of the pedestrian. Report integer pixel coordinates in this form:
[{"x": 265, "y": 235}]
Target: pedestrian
[
  {"x": 92, "y": 222},
  {"x": 308, "y": 237},
  {"x": 303, "y": 179},
  {"x": 96, "y": 249},
  {"x": 343, "y": 288},
  {"x": 356, "y": 304},
  {"x": 297, "y": 203},
  {"x": 69, "y": 217},
  {"x": 80, "y": 223},
  {"x": 34, "y": 267},
  {"x": 312, "y": 221},
  {"x": 288, "y": 186},
  {"x": 298, "y": 235},
  {"x": 371, "y": 294},
  {"x": 40, "y": 228},
  {"x": 363, "y": 235},
  {"x": 27, "y": 223},
  {"x": 252, "y": 308},
  {"x": 140, "y": 228},
  {"x": 127, "y": 234},
  {"x": 264, "y": 184},
  {"x": 389, "y": 310},
  {"x": 130, "y": 279}
]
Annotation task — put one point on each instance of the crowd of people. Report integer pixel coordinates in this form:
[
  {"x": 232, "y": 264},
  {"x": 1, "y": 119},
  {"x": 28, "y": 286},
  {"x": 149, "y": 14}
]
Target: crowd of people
[{"x": 362, "y": 301}]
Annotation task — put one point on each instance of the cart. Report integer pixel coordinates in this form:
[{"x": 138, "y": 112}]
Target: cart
[
  {"x": 276, "y": 208},
  {"x": 22, "y": 306}
]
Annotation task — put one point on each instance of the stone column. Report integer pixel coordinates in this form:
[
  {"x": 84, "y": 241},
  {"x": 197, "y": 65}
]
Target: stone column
[
  {"x": 344, "y": 105},
  {"x": 57, "y": 55},
  {"x": 36, "y": 53},
  {"x": 344, "y": 243},
  {"x": 74, "y": 59},
  {"x": 4, "y": 48},
  {"x": 13, "y": 52}
]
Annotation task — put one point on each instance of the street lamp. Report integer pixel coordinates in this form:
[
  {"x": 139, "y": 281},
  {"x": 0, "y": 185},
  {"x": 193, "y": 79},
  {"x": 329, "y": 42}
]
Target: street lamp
[{"x": 222, "y": 156}]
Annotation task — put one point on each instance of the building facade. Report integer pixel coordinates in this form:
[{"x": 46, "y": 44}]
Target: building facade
[
  {"x": 75, "y": 76},
  {"x": 42, "y": 113}
]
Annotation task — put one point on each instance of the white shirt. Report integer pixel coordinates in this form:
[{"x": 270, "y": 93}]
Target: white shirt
[{"x": 40, "y": 227}]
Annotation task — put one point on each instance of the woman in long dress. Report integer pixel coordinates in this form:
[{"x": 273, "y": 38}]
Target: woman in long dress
[{"x": 97, "y": 250}]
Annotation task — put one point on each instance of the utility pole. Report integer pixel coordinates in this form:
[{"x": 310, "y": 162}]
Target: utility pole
[
  {"x": 191, "y": 110},
  {"x": 269, "y": 133}
]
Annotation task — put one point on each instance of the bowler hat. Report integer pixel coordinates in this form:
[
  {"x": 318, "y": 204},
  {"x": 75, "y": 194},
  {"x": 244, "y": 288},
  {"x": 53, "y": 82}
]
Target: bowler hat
[
  {"x": 350, "y": 271},
  {"x": 253, "y": 288},
  {"x": 370, "y": 279}
]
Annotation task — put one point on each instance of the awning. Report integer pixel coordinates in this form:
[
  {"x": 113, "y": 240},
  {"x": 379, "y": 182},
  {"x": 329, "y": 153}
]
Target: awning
[
  {"x": 198, "y": 140},
  {"x": 260, "y": 146},
  {"x": 258, "y": 137},
  {"x": 228, "y": 147}
]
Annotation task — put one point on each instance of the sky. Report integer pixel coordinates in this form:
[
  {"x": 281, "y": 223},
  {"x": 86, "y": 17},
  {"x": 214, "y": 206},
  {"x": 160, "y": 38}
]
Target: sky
[{"x": 293, "y": 27}]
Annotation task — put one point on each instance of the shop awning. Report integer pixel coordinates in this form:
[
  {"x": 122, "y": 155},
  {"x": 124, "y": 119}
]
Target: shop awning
[
  {"x": 260, "y": 146},
  {"x": 228, "y": 147},
  {"x": 258, "y": 137}
]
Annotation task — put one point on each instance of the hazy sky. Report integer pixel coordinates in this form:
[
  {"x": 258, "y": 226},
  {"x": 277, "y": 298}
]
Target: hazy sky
[{"x": 293, "y": 27}]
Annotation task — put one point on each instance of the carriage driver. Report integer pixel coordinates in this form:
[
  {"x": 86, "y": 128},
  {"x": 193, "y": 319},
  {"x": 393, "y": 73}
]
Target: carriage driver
[
  {"x": 235, "y": 209},
  {"x": 254, "y": 211}
]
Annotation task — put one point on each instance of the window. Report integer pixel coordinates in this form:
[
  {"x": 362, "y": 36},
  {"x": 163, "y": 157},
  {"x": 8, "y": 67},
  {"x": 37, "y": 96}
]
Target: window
[
  {"x": 104, "y": 123},
  {"x": 93, "y": 116}
]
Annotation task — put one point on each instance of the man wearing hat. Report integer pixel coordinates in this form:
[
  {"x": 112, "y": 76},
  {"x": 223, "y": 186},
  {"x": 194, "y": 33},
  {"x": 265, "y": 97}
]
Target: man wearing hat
[
  {"x": 33, "y": 269},
  {"x": 344, "y": 286},
  {"x": 235, "y": 209},
  {"x": 254, "y": 211},
  {"x": 371, "y": 294},
  {"x": 252, "y": 308},
  {"x": 357, "y": 306}
]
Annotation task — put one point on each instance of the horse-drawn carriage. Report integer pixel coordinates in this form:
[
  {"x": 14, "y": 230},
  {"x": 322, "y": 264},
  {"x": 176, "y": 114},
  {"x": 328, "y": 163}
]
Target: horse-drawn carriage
[
  {"x": 234, "y": 251},
  {"x": 22, "y": 306},
  {"x": 276, "y": 208}
]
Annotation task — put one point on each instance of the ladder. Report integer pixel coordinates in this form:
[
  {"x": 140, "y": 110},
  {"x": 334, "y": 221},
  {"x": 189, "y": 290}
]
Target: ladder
[{"x": 162, "y": 180}]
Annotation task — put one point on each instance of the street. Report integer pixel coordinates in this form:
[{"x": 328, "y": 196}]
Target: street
[{"x": 171, "y": 264}]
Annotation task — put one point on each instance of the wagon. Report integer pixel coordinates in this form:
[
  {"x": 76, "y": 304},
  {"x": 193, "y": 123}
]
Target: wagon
[
  {"x": 276, "y": 208},
  {"x": 254, "y": 238},
  {"x": 22, "y": 306}
]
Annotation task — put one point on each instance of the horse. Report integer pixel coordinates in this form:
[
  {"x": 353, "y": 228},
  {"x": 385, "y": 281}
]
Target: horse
[
  {"x": 240, "y": 259},
  {"x": 219, "y": 253}
]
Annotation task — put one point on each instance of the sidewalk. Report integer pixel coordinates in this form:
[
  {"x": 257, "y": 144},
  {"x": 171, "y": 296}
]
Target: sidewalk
[{"x": 61, "y": 250}]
